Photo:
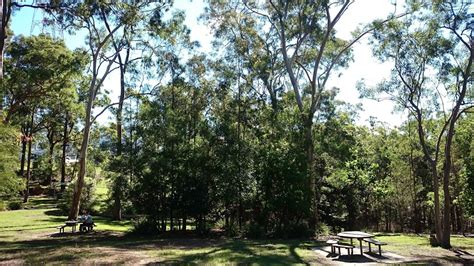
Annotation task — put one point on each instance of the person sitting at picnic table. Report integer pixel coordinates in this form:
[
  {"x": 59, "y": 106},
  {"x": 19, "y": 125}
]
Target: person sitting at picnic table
[{"x": 87, "y": 223}]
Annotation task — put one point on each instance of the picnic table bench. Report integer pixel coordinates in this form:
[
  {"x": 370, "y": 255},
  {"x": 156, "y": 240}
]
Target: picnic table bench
[
  {"x": 350, "y": 248},
  {"x": 334, "y": 242},
  {"x": 61, "y": 228},
  {"x": 375, "y": 242}
]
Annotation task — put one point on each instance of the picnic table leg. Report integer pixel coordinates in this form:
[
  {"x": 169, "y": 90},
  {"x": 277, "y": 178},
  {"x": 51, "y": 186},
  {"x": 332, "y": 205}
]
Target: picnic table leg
[
  {"x": 360, "y": 244},
  {"x": 370, "y": 249},
  {"x": 380, "y": 250}
]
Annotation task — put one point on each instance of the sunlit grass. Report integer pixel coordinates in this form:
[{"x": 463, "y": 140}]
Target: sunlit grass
[
  {"x": 412, "y": 244},
  {"x": 40, "y": 215}
]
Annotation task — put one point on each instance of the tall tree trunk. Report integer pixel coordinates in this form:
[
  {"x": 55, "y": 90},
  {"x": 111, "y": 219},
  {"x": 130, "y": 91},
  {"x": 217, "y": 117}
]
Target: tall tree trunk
[
  {"x": 63, "y": 157},
  {"x": 432, "y": 163},
  {"x": 26, "y": 195},
  {"x": 184, "y": 221},
  {"x": 314, "y": 197},
  {"x": 446, "y": 240},
  {"x": 28, "y": 164},
  {"x": 50, "y": 162},
  {"x": 117, "y": 211},
  {"x": 76, "y": 199},
  {"x": 24, "y": 143}
]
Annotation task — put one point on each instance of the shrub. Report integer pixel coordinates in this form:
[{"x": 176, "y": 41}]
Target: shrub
[
  {"x": 15, "y": 205},
  {"x": 2, "y": 206},
  {"x": 145, "y": 225}
]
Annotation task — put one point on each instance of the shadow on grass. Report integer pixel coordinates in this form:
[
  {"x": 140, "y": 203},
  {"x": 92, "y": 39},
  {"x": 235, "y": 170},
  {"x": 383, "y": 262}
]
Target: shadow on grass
[
  {"x": 68, "y": 248},
  {"x": 54, "y": 212},
  {"x": 40, "y": 202},
  {"x": 238, "y": 251}
]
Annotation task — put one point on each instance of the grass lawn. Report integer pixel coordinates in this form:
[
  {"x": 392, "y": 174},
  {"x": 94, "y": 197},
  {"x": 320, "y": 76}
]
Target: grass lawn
[
  {"x": 30, "y": 236},
  {"x": 418, "y": 246}
]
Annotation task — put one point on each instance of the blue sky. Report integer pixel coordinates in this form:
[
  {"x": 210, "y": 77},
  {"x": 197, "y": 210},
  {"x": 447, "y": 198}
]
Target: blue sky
[{"x": 364, "y": 65}]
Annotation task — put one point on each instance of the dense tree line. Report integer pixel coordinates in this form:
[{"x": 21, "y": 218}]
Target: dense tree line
[{"x": 249, "y": 138}]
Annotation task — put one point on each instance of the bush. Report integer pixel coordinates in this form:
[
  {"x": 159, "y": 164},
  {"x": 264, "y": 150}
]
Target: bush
[
  {"x": 15, "y": 205},
  {"x": 2, "y": 206},
  {"x": 145, "y": 226}
]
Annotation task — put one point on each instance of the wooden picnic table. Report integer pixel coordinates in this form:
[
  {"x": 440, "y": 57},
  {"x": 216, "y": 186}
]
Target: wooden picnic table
[
  {"x": 73, "y": 225},
  {"x": 355, "y": 234}
]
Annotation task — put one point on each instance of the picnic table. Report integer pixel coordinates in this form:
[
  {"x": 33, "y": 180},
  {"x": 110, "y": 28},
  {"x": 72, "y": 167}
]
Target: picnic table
[
  {"x": 71, "y": 223},
  {"x": 357, "y": 235}
]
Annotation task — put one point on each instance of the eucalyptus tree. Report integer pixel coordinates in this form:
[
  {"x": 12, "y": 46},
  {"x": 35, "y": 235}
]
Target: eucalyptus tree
[
  {"x": 149, "y": 46},
  {"x": 307, "y": 49},
  {"x": 433, "y": 52},
  {"x": 91, "y": 17}
]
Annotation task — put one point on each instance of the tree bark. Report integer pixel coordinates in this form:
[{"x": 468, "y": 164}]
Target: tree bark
[
  {"x": 314, "y": 197},
  {"x": 24, "y": 143},
  {"x": 63, "y": 157},
  {"x": 467, "y": 74},
  {"x": 117, "y": 211},
  {"x": 28, "y": 164},
  {"x": 76, "y": 200},
  {"x": 50, "y": 162},
  {"x": 26, "y": 195}
]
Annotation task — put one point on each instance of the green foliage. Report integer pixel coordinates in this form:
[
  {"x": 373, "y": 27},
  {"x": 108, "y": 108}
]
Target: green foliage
[{"x": 10, "y": 183}]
